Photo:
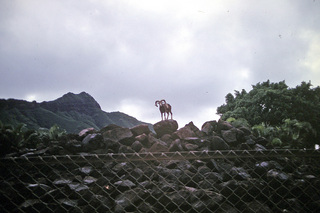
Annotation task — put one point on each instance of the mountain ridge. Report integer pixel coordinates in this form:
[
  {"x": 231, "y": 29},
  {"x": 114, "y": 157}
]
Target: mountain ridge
[{"x": 72, "y": 112}]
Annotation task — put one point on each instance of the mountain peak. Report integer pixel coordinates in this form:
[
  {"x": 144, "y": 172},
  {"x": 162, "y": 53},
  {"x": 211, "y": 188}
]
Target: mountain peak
[{"x": 82, "y": 102}]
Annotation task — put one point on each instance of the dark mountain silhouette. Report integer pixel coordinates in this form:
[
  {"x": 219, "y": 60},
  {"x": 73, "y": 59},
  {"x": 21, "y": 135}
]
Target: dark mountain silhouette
[{"x": 72, "y": 112}]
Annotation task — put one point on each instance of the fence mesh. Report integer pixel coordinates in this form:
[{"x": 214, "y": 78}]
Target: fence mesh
[{"x": 216, "y": 181}]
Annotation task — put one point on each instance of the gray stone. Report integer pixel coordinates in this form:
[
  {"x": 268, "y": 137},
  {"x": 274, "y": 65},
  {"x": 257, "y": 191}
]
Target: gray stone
[
  {"x": 62, "y": 181},
  {"x": 92, "y": 142},
  {"x": 140, "y": 129},
  {"x": 208, "y": 127},
  {"x": 136, "y": 146},
  {"x": 124, "y": 184},
  {"x": 217, "y": 143},
  {"x": 230, "y": 136},
  {"x": 176, "y": 146},
  {"x": 122, "y": 135},
  {"x": 159, "y": 146},
  {"x": 89, "y": 180},
  {"x": 165, "y": 127}
]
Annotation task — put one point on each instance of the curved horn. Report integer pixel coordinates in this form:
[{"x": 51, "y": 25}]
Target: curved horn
[
  {"x": 163, "y": 101},
  {"x": 156, "y": 103}
]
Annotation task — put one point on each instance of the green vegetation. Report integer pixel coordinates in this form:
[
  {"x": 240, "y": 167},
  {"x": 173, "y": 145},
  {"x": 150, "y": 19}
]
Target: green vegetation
[
  {"x": 13, "y": 138},
  {"x": 287, "y": 117}
]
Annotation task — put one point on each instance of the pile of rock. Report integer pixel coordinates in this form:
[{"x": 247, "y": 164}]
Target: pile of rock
[
  {"x": 201, "y": 185},
  {"x": 167, "y": 137}
]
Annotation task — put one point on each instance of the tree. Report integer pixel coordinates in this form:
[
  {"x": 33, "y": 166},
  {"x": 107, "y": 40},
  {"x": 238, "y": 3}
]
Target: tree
[{"x": 273, "y": 103}]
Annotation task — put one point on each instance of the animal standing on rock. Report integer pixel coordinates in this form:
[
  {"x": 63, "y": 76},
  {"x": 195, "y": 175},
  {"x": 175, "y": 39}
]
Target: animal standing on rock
[{"x": 164, "y": 109}]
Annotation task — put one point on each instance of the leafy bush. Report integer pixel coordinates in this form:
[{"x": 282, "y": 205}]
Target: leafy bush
[
  {"x": 270, "y": 106},
  {"x": 291, "y": 134},
  {"x": 276, "y": 142},
  {"x": 14, "y": 138}
]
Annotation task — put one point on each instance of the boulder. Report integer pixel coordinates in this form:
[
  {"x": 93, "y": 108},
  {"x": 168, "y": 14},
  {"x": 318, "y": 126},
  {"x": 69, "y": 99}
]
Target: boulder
[
  {"x": 86, "y": 170},
  {"x": 165, "y": 127},
  {"x": 167, "y": 138},
  {"x": 176, "y": 146},
  {"x": 245, "y": 130},
  {"x": 122, "y": 168},
  {"x": 259, "y": 147},
  {"x": 143, "y": 139},
  {"x": 223, "y": 125},
  {"x": 277, "y": 176},
  {"x": 189, "y": 130},
  {"x": 92, "y": 142},
  {"x": 122, "y": 135},
  {"x": 62, "y": 181},
  {"x": 136, "y": 146},
  {"x": 88, "y": 180},
  {"x": 217, "y": 143},
  {"x": 125, "y": 149},
  {"x": 230, "y": 136},
  {"x": 195, "y": 129},
  {"x": 190, "y": 147},
  {"x": 261, "y": 168},
  {"x": 239, "y": 173},
  {"x": 209, "y": 127},
  {"x": 159, "y": 146},
  {"x": 140, "y": 129},
  {"x": 123, "y": 185},
  {"x": 241, "y": 138},
  {"x": 86, "y": 131},
  {"x": 77, "y": 189}
]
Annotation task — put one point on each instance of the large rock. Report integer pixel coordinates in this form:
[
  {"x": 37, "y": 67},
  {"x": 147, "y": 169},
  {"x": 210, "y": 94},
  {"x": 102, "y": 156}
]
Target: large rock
[
  {"x": 140, "y": 129},
  {"x": 159, "y": 146},
  {"x": 189, "y": 130},
  {"x": 217, "y": 143},
  {"x": 122, "y": 135},
  {"x": 230, "y": 136},
  {"x": 86, "y": 131},
  {"x": 223, "y": 125},
  {"x": 165, "y": 127},
  {"x": 209, "y": 127},
  {"x": 92, "y": 142},
  {"x": 176, "y": 146}
]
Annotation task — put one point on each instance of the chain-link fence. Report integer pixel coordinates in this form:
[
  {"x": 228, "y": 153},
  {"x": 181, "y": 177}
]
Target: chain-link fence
[{"x": 217, "y": 181}]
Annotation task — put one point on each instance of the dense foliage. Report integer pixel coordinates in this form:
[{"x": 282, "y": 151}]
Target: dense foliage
[
  {"x": 13, "y": 138},
  {"x": 291, "y": 113}
]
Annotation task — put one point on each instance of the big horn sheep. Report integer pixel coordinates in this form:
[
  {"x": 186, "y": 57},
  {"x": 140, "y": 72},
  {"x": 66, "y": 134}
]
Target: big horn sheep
[{"x": 164, "y": 109}]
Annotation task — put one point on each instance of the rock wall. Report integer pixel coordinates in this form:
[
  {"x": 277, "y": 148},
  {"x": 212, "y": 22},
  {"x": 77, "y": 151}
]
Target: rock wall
[{"x": 277, "y": 184}]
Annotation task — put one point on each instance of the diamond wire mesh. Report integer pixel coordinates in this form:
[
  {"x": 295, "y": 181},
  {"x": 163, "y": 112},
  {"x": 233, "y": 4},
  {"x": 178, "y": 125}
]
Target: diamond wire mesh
[{"x": 219, "y": 181}]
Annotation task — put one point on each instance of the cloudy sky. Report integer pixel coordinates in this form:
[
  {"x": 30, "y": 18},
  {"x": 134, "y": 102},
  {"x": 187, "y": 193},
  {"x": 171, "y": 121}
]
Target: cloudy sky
[{"x": 129, "y": 53}]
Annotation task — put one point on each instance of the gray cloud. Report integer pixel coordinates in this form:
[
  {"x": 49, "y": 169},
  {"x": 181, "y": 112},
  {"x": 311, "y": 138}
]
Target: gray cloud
[{"x": 129, "y": 55}]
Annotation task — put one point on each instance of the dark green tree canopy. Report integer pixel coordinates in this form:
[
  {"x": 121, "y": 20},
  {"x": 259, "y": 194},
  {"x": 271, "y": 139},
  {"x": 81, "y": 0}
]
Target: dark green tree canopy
[{"x": 272, "y": 103}]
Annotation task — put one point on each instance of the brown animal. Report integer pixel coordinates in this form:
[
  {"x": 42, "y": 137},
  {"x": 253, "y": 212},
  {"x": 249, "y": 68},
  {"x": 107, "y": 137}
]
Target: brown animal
[{"x": 164, "y": 109}]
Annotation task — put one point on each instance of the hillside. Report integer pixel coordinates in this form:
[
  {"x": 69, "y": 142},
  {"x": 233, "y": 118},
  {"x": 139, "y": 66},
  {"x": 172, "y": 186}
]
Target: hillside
[{"x": 72, "y": 112}]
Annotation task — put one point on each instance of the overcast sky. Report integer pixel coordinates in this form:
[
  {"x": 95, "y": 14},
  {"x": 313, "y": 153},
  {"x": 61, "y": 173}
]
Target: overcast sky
[{"x": 128, "y": 54}]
